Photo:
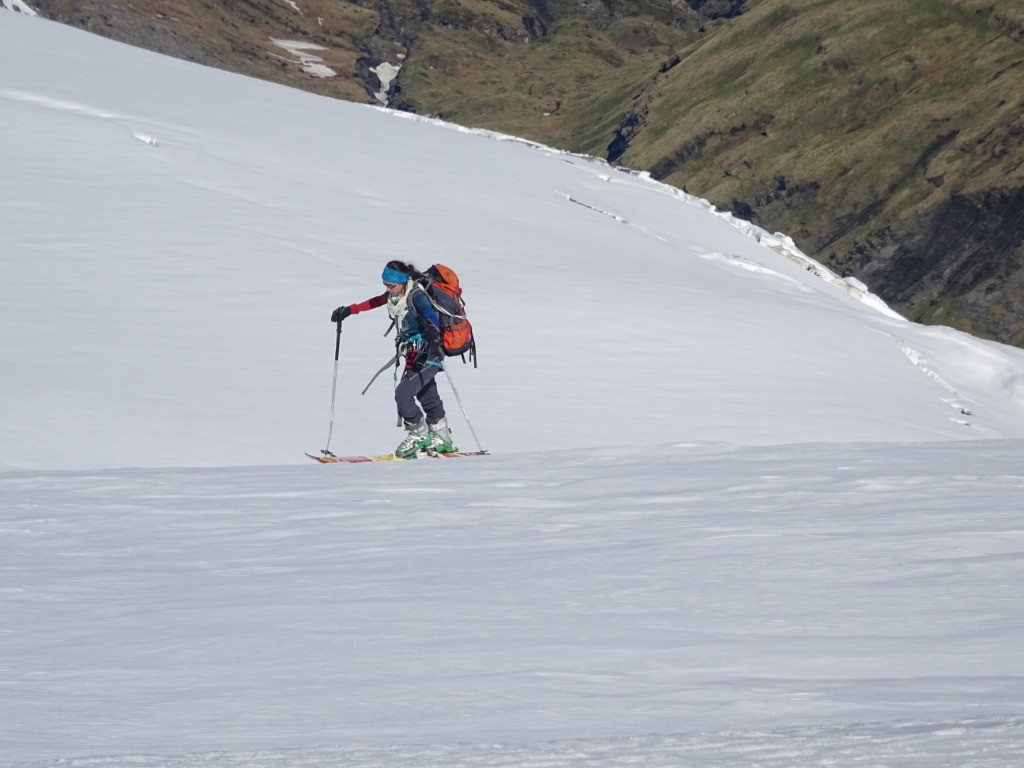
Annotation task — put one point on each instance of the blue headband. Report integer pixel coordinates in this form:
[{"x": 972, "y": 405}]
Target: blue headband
[{"x": 394, "y": 276}]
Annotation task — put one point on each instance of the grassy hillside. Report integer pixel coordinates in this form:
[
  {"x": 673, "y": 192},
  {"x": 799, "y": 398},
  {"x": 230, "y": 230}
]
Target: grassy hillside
[
  {"x": 862, "y": 129},
  {"x": 237, "y": 35},
  {"x": 563, "y": 78}
]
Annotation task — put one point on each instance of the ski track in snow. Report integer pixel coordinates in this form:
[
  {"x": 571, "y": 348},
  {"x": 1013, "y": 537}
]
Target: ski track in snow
[
  {"x": 954, "y": 400},
  {"x": 978, "y": 743},
  {"x": 84, "y": 110},
  {"x": 65, "y": 106}
]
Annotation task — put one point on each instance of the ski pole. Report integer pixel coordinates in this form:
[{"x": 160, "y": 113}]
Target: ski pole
[
  {"x": 334, "y": 391},
  {"x": 464, "y": 414}
]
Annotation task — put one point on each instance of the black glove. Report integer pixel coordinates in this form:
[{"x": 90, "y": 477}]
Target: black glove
[
  {"x": 432, "y": 334},
  {"x": 340, "y": 314}
]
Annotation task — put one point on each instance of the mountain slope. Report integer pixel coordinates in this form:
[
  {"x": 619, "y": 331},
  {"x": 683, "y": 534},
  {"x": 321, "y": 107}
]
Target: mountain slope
[
  {"x": 209, "y": 226},
  {"x": 886, "y": 139}
]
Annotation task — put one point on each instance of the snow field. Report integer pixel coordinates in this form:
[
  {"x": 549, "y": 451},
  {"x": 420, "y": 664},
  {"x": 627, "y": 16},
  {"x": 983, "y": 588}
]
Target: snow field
[{"x": 738, "y": 513}]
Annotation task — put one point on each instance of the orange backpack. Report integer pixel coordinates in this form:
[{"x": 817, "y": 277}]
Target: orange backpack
[{"x": 442, "y": 286}]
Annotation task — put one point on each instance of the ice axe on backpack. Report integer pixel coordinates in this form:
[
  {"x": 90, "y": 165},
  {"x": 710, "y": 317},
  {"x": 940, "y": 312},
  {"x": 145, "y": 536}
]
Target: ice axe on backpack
[{"x": 388, "y": 364}]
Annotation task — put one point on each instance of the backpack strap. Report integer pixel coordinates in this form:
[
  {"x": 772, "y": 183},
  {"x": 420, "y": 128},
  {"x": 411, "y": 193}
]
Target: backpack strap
[{"x": 441, "y": 310}]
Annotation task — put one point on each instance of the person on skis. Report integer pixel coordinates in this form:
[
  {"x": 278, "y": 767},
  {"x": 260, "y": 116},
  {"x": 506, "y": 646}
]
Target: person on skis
[{"x": 418, "y": 340}]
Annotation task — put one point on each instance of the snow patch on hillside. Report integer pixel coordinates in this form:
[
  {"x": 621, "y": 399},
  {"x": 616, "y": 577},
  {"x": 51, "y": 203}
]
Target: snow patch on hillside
[
  {"x": 386, "y": 74},
  {"x": 310, "y": 63},
  {"x": 18, "y": 5}
]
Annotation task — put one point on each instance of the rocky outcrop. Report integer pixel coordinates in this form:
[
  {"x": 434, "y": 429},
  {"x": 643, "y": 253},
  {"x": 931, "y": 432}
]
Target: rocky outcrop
[
  {"x": 962, "y": 261},
  {"x": 718, "y": 9}
]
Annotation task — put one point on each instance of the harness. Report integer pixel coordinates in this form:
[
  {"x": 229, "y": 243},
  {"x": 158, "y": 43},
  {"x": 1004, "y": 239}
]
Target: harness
[{"x": 411, "y": 348}]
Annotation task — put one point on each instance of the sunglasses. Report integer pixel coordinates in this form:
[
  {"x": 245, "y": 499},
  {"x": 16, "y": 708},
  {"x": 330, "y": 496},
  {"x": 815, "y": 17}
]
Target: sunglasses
[{"x": 389, "y": 286}]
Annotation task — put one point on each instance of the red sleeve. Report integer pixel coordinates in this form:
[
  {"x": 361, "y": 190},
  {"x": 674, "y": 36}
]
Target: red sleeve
[{"x": 376, "y": 301}]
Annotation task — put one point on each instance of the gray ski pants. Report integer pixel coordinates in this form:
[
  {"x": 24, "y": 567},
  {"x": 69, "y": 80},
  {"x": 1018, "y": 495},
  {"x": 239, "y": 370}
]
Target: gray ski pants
[{"x": 419, "y": 385}]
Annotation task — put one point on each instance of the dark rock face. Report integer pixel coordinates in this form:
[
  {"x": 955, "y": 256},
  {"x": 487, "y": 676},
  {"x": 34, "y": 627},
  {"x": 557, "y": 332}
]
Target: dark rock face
[
  {"x": 626, "y": 130},
  {"x": 669, "y": 164},
  {"x": 964, "y": 259},
  {"x": 960, "y": 264},
  {"x": 718, "y": 9},
  {"x": 125, "y": 25}
]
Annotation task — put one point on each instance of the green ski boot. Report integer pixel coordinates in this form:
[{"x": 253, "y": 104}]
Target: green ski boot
[
  {"x": 440, "y": 437},
  {"x": 415, "y": 441}
]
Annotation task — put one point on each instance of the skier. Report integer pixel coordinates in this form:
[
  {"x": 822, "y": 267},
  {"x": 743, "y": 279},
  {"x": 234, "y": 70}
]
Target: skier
[{"x": 418, "y": 340}]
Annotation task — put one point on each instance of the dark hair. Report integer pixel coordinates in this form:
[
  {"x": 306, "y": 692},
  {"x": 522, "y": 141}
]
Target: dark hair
[{"x": 405, "y": 269}]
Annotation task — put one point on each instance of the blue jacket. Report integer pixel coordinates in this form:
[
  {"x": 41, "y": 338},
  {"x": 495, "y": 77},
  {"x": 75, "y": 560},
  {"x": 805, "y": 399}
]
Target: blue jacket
[
  {"x": 411, "y": 339},
  {"x": 421, "y": 310}
]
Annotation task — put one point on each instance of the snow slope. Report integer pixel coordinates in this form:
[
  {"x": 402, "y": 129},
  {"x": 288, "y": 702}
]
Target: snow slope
[
  {"x": 738, "y": 512},
  {"x": 179, "y": 237},
  {"x": 830, "y": 604}
]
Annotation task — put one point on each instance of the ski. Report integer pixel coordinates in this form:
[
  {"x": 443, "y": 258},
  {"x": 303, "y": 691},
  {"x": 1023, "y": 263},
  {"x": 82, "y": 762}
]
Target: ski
[{"x": 323, "y": 459}]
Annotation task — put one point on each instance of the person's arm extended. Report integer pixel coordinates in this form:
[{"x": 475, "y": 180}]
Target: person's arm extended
[{"x": 353, "y": 309}]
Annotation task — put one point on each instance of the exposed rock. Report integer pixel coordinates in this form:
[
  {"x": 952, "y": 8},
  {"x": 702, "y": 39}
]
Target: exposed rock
[
  {"x": 669, "y": 164},
  {"x": 718, "y": 9},
  {"x": 965, "y": 258},
  {"x": 627, "y": 128}
]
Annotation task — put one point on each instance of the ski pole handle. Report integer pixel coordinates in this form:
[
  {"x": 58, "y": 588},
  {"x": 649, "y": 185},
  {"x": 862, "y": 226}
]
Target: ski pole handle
[{"x": 337, "y": 343}]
